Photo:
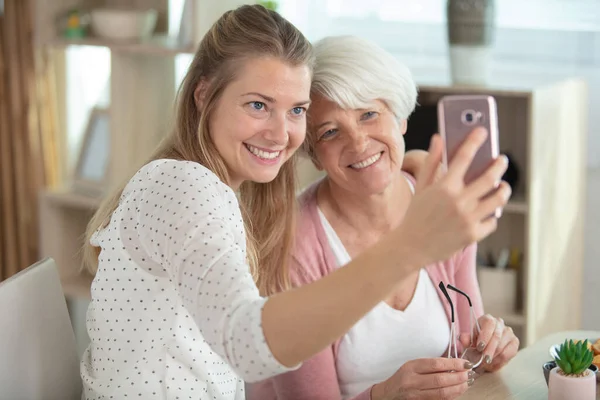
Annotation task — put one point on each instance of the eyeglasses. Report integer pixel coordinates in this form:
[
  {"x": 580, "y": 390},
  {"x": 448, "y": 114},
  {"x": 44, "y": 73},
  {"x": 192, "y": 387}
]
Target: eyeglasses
[{"x": 470, "y": 353}]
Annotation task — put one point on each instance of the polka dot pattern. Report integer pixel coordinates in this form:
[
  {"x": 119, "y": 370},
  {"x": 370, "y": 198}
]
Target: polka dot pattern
[{"x": 175, "y": 313}]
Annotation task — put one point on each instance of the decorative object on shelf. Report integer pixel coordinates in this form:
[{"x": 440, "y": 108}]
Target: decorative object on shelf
[
  {"x": 123, "y": 24},
  {"x": 516, "y": 258},
  {"x": 91, "y": 170},
  {"x": 470, "y": 25},
  {"x": 74, "y": 23},
  {"x": 270, "y": 4},
  {"x": 503, "y": 257},
  {"x": 572, "y": 378}
]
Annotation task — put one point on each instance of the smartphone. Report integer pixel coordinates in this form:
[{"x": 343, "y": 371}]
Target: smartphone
[{"x": 458, "y": 115}]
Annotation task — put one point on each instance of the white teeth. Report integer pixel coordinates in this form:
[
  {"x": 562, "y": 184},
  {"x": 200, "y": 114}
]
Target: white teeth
[
  {"x": 367, "y": 162},
  {"x": 267, "y": 155}
]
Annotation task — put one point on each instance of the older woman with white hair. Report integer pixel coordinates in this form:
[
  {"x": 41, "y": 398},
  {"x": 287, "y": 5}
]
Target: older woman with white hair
[{"x": 361, "y": 100}]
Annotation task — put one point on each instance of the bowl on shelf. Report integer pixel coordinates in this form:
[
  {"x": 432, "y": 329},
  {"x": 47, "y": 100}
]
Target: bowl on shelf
[{"x": 123, "y": 24}]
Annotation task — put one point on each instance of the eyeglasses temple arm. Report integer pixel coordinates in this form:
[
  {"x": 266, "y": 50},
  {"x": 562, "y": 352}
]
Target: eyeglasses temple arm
[
  {"x": 443, "y": 289},
  {"x": 461, "y": 292}
]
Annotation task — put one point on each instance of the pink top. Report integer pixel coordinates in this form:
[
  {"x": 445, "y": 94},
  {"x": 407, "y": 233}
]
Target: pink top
[{"x": 312, "y": 259}]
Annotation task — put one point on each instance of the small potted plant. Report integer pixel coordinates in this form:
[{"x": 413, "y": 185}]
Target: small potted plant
[{"x": 572, "y": 378}]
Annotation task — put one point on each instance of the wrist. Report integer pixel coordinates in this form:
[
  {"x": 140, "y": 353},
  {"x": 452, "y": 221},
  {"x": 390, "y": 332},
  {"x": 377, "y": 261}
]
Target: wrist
[
  {"x": 378, "y": 391},
  {"x": 396, "y": 256}
]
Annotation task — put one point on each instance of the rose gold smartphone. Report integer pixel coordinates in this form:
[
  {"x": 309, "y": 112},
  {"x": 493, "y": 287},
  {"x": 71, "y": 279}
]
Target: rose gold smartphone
[{"x": 458, "y": 115}]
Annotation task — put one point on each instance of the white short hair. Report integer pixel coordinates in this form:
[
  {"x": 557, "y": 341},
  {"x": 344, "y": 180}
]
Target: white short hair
[{"x": 354, "y": 72}]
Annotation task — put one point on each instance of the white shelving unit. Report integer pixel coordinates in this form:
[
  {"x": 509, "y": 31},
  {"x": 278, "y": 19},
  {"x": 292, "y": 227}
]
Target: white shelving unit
[{"x": 542, "y": 125}]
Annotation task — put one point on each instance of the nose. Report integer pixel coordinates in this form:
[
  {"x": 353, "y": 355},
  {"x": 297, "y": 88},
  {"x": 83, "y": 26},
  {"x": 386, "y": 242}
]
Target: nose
[
  {"x": 277, "y": 131},
  {"x": 358, "y": 140}
]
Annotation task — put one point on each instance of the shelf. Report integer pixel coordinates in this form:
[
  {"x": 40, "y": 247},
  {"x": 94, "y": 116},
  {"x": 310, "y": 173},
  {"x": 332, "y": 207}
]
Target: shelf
[
  {"x": 517, "y": 205},
  {"x": 72, "y": 200},
  {"x": 158, "y": 45},
  {"x": 513, "y": 319}
]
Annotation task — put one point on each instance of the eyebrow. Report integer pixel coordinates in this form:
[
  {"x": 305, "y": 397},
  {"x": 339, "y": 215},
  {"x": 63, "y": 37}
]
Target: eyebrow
[
  {"x": 322, "y": 125},
  {"x": 272, "y": 100}
]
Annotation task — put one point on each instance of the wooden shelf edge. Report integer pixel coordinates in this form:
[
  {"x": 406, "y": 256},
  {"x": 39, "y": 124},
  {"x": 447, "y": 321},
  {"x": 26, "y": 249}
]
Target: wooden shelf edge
[
  {"x": 517, "y": 205},
  {"x": 159, "y": 45},
  {"x": 515, "y": 319},
  {"x": 71, "y": 199}
]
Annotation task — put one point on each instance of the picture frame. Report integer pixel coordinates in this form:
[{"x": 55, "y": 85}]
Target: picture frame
[{"x": 90, "y": 176}]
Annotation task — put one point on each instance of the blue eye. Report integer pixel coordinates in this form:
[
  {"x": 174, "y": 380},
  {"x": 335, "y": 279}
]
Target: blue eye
[
  {"x": 368, "y": 115},
  {"x": 298, "y": 111},
  {"x": 257, "y": 105},
  {"x": 328, "y": 134}
]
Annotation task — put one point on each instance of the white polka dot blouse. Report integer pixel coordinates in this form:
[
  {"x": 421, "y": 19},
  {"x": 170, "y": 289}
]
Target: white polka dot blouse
[{"x": 175, "y": 313}]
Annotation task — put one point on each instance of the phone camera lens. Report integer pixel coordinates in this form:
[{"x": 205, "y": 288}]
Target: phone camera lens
[{"x": 470, "y": 117}]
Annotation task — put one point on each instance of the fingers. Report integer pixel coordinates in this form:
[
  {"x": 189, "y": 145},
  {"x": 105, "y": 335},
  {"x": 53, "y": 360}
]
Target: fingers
[
  {"x": 440, "y": 364},
  {"x": 492, "y": 343},
  {"x": 497, "y": 199},
  {"x": 428, "y": 172},
  {"x": 447, "y": 393},
  {"x": 461, "y": 161},
  {"x": 465, "y": 340},
  {"x": 442, "y": 379},
  {"x": 487, "y": 323},
  {"x": 491, "y": 177},
  {"x": 507, "y": 349}
]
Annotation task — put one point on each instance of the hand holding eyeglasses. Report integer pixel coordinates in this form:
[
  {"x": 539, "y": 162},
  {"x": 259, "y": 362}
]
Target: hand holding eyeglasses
[
  {"x": 426, "y": 378},
  {"x": 491, "y": 343},
  {"x": 496, "y": 341}
]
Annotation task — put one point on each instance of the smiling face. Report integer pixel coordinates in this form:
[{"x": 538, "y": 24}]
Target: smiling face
[
  {"x": 260, "y": 119},
  {"x": 360, "y": 149}
]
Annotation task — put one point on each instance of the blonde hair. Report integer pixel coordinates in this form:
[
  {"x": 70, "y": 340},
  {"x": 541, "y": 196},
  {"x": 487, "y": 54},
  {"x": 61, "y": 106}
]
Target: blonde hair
[
  {"x": 353, "y": 72},
  {"x": 268, "y": 208}
]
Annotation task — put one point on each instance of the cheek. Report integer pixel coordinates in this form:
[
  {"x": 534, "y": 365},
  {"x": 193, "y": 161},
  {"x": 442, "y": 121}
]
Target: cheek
[
  {"x": 297, "y": 134},
  {"x": 329, "y": 157},
  {"x": 241, "y": 127}
]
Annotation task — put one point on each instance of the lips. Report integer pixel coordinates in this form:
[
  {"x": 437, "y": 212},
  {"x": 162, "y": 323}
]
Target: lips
[
  {"x": 367, "y": 162},
  {"x": 261, "y": 153}
]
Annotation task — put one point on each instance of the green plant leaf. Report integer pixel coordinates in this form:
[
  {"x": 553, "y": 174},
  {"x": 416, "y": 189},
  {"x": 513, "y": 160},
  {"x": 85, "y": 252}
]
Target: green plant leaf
[{"x": 567, "y": 370}]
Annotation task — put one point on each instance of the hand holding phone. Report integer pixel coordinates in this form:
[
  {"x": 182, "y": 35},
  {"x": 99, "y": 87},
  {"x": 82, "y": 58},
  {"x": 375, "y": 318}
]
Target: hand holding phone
[{"x": 459, "y": 115}]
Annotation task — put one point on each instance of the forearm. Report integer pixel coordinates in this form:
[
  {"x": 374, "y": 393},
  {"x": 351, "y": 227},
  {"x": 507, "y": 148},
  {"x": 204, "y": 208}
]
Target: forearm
[{"x": 299, "y": 323}]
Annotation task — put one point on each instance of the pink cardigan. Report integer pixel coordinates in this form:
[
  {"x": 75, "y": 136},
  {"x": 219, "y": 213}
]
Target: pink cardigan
[{"x": 312, "y": 259}]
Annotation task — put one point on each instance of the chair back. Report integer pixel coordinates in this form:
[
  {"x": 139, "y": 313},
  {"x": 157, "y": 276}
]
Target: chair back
[{"x": 38, "y": 351}]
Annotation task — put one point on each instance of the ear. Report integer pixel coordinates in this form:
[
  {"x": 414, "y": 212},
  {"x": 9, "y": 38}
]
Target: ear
[
  {"x": 200, "y": 93},
  {"x": 403, "y": 126}
]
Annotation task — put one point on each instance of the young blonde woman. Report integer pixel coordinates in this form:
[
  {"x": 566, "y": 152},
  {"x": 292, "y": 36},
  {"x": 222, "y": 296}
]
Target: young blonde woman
[
  {"x": 356, "y": 124},
  {"x": 175, "y": 311}
]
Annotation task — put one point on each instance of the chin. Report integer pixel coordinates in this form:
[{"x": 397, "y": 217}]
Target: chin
[{"x": 263, "y": 177}]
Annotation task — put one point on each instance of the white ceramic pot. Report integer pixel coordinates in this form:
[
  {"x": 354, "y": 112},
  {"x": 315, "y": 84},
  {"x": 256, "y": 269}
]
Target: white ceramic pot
[
  {"x": 470, "y": 65},
  {"x": 123, "y": 24},
  {"x": 562, "y": 387},
  {"x": 471, "y": 26}
]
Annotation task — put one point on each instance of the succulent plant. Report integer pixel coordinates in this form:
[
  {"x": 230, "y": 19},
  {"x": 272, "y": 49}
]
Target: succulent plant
[
  {"x": 269, "y": 4},
  {"x": 574, "y": 358}
]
